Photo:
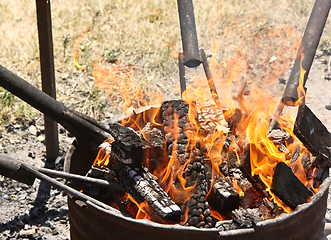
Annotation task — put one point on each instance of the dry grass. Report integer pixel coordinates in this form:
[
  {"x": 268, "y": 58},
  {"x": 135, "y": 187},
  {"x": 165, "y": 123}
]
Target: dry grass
[{"x": 145, "y": 36}]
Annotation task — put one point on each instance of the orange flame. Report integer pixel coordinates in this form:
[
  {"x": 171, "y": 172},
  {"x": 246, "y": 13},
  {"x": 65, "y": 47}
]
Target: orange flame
[
  {"x": 250, "y": 131},
  {"x": 301, "y": 90},
  {"x": 118, "y": 81},
  {"x": 104, "y": 152},
  {"x": 76, "y": 51}
]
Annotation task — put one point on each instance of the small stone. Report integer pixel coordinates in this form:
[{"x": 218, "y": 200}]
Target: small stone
[{"x": 328, "y": 107}]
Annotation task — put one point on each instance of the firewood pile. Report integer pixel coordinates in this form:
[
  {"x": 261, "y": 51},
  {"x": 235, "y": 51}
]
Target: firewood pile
[{"x": 192, "y": 165}]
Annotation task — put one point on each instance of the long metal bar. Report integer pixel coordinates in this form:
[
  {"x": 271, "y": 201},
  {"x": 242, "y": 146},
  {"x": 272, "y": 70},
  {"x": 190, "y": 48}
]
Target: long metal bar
[
  {"x": 79, "y": 127},
  {"x": 188, "y": 33},
  {"x": 305, "y": 56},
  {"x": 307, "y": 50},
  {"x": 210, "y": 78},
  {"x": 31, "y": 174},
  {"x": 182, "y": 79},
  {"x": 47, "y": 73},
  {"x": 76, "y": 177}
]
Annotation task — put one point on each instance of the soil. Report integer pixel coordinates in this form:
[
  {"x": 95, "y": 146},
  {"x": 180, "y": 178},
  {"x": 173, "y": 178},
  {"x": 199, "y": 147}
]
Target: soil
[{"x": 41, "y": 212}]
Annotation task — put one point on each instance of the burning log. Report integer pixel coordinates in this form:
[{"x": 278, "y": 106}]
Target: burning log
[
  {"x": 198, "y": 214},
  {"x": 174, "y": 134},
  {"x": 142, "y": 188},
  {"x": 128, "y": 146},
  {"x": 242, "y": 218},
  {"x": 223, "y": 197},
  {"x": 288, "y": 187},
  {"x": 195, "y": 173},
  {"x": 140, "y": 185},
  {"x": 154, "y": 140},
  {"x": 313, "y": 134},
  {"x": 245, "y": 167}
]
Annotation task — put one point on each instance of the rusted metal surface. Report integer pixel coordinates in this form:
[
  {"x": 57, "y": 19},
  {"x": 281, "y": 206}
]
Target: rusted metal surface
[
  {"x": 92, "y": 222},
  {"x": 188, "y": 33},
  {"x": 44, "y": 22}
]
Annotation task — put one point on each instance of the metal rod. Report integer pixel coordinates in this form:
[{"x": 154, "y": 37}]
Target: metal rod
[
  {"x": 63, "y": 187},
  {"x": 182, "y": 79},
  {"x": 31, "y": 95},
  {"x": 24, "y": 169},
  {"x": 209, "y": 77},
  {"x": 307, "y": 50},
  {"x": 188, "y": 33},
  {"x": 79, "y": 127},
  {"x": 76, "y": 177},
  {"x": 305, "y": 57},
  {"x": 47, "y": 73}
]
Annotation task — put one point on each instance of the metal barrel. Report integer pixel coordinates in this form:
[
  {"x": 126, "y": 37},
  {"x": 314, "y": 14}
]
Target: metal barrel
[
  {"x": 189, "y": 33},
  {"x": 307, "y": 50},
  {"x": 93, "y": 222}
]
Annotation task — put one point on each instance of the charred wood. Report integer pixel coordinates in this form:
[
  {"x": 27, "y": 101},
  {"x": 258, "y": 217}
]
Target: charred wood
[
  {"x": 288, "y": 187},
  {"x": 101, "y": 193},
  {"x": 223, "y": 197},
  {"x": 198, "y": 212},
  {"x": 245, "y": 167},
  {"x": 142, "y": 187},
  {"x": 195, "y": 173},
  {"x": 128, "y": 146},
  {"x": 246, "y": 218},
  {"x": 242, "y": 218},
  {"x": 154, "y": 140},
  {"x": 313, "y": 134},
  {"x": 233, "y": 118},
  {"x": 278, "y": 136}
]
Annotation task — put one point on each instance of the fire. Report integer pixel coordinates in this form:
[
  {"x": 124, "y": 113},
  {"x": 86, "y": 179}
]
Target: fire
[
  {"x": 76, "y": 51},
  {"x": 209, "y": 129},
  {"x": 301, "y": 90},
  {"x": 119, "y": 82}
]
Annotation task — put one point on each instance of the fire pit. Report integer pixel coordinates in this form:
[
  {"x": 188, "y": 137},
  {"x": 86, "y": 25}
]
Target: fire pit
[
  {"x": 231, "y": 172},
  {"x": 88, "y": 221}
]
